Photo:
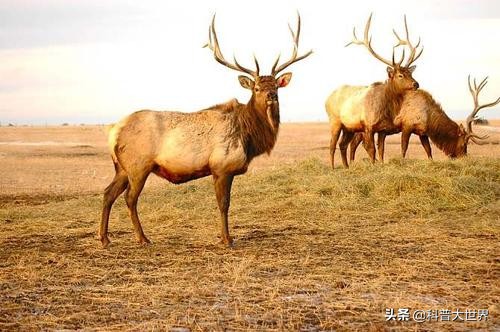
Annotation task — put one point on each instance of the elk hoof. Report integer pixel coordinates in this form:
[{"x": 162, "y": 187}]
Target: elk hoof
[
  {"x": 105, "y": 242},
  {"x": 143, "y": 241},
  {"x": 229, "y": 243}
]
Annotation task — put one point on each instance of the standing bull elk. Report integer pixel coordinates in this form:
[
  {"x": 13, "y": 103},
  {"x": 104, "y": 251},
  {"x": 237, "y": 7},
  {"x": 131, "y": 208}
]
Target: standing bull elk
[
  {"x": 219, "y": 141},
  {"x": 371, "y": 109},
  {"x": 423, "y": 116}
]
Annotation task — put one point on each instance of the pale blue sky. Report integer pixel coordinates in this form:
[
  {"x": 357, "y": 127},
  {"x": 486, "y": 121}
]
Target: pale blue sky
[{"x": 96, "y": 61}]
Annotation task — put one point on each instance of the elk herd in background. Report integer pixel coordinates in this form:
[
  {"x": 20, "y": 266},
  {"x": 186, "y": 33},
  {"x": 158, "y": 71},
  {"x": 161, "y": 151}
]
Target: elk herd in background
[
  {"x": 223, "y": 139},
  {"x": 396, "y": 106}
]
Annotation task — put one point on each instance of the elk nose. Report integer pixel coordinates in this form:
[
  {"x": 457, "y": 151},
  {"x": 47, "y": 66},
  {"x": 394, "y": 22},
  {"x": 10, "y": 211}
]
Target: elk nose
[
  {"x": 272, "y": 95},
  {"x": 415, "y": 85}
]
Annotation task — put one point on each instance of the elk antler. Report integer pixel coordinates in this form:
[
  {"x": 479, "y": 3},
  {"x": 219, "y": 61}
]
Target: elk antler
[
  {"x": 294, "y": 58},
  {"x": 402, "y": 42},
  {"x": 367, "y": 42},
  {"x": 213, "y": 45},
  {"x": 475, "y": 94}
]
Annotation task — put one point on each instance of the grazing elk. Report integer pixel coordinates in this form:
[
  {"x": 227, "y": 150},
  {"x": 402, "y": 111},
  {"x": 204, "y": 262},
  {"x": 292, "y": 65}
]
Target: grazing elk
[
  {"x": 219, "y": 141},
  {"x": 423, "y": 116},
  {"x": 371, "y": 109}
]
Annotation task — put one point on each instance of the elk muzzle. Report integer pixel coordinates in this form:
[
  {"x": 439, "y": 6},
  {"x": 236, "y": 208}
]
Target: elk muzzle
[{"x": 272, "y": 98}]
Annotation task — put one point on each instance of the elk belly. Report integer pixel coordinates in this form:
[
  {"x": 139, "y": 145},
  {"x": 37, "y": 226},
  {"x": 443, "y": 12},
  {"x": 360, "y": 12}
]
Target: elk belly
[
  {"x": 183, "y": 156},
  {"x": 353, "y": 119},
  {"x": 178, "y": 177}
]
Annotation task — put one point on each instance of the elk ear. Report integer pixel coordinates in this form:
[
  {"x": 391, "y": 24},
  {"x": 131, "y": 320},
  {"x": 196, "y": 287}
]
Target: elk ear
[
  {"x": 246, "y": 82},
  {"x": 412, "y": 69},
  {"x": 390, "y": 71},
  {"x": 283, "y": 80}
]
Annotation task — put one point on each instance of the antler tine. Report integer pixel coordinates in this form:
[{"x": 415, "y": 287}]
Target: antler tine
[
  {"x": 213, "y": 45},
  {"x": 257, "y": 67},
  {"x": 475, "y": 96},
  {"x": 367, "y": 42},
  {"x": 400, "y": 61},
  {"x": 275, "y": 63},
  {"x": 294, "y": 58},
  {"x": 355, "y": 40},
  {"x": 482, "y": 84},
  {"x": 406, "y": 42}
]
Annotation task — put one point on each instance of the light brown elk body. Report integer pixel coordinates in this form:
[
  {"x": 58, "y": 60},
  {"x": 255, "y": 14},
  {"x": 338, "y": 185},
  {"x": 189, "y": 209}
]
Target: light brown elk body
[
  {"x": 423, "y": 116},
  {"x": 220, "y": 141},
  {"x": 370, "y": 109}
]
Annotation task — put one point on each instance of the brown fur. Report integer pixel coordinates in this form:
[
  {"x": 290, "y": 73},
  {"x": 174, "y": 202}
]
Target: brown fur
[
  {"x": 420, "y": 114},
  {"x": 446, "y": 134}
]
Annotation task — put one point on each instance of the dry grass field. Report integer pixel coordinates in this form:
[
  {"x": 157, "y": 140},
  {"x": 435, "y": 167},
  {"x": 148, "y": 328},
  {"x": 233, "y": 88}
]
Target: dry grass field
[{"x": 315, "y": 249}]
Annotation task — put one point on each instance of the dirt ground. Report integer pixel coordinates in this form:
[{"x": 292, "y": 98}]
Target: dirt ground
[{"x": 316, "y": 249}]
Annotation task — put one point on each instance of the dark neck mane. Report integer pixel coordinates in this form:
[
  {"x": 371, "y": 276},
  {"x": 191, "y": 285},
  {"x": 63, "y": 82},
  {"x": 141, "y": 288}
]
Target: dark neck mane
[
  {"x": 255, "y": 131},
  {"x": 251, "y": 126},
  {"x": 393, "y": 100},
  {"x": 443, "y": 131}
]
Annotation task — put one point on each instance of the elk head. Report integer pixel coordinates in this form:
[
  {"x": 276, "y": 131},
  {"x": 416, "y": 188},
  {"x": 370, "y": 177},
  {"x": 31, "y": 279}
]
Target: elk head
[
  {"x": 264, "y": 87},
  {"x": 465, "y": 133},
  {"x": 399, "y": 74}
]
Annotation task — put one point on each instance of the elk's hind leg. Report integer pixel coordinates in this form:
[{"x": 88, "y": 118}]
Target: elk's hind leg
[
  {"x": 111, "y": 193},
  {"x": 353, "y": 146},
  {"x": 333, "y": 143},
  {"x": 136, "y": 184},
  {"x": 344, "y": 143},
  {"x": 222, "y": 185}
]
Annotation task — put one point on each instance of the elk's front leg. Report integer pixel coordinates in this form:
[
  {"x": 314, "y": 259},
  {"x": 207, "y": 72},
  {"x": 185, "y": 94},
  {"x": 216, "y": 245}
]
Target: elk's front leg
[
  {"x": 427, "y": 146},
  {"x": 223, "y": 192},
  {"x": 405, "y": 140}
]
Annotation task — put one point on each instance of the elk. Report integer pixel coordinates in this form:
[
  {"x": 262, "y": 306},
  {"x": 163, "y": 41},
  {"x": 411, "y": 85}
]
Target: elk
[
  {"x": 423, "y": 116},
  {"x": 371, "y": 109},
  {"x": 220, "y": 141}
]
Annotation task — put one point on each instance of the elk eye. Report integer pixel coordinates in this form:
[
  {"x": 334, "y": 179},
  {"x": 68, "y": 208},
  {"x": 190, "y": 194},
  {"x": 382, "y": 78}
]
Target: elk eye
[
  {"x": 257, "y": 89},
  {"x": 400, "y": 76}
]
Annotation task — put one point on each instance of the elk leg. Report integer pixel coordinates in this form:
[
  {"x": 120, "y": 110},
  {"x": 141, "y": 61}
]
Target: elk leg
[
  {"x": 344, "y": 143},
  {"x": 223, "y": 193},
  {"x": 111, "y": 193},
  {"x": 424, "y": 139},
  {"x": 405, "y": 139},
  {"x": 370, "y": 144},
  {"x": 136, "y": 184},
  {"x": 353, "y": 146},
  {"x": 333, "y": 144},
  {"x": 381, "y": 146}
]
